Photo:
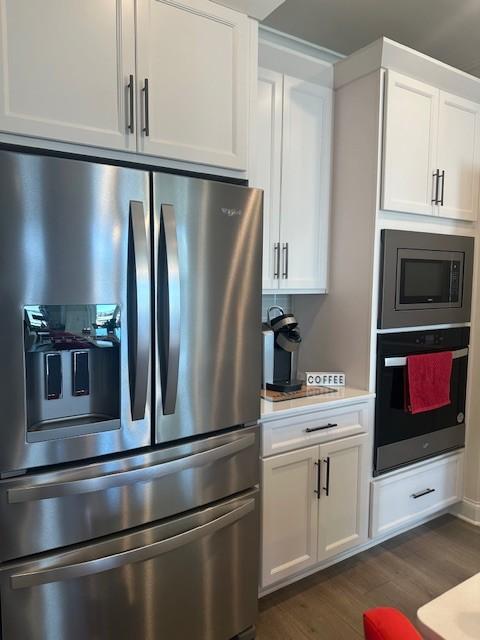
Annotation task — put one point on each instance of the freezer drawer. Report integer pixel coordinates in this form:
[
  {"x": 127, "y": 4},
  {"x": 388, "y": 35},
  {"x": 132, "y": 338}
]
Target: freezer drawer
[
  {"x": 44, "y": 511},
  {"x": 193, "y": 577}
]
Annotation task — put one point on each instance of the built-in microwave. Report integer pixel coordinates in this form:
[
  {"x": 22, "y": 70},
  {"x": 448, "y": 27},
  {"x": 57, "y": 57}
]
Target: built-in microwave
[{"x": 426, "y": 279}]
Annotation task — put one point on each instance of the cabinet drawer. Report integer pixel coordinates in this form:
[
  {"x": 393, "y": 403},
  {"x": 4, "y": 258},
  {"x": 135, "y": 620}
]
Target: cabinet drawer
[
  {"x": 294, "y": 432},
  {"x": 406, "y": 496}
]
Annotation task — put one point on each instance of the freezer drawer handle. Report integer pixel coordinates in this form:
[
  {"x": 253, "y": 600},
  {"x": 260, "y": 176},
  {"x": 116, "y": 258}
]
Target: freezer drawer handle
[
  {"x": 401, "y": 361},
  {"x": 139, "y": 311},
  {"x": 120, "y": 479},
  {"x": 169, "y": 331},
  {"x": 141, "y": 554}
]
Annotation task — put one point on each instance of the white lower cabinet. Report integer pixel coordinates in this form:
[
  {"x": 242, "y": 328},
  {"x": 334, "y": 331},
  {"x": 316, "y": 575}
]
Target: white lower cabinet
[
  {"x": 343, "y": 504},
  {"x": 290, "y": 514},
  {"x": 314, "y": 506}
]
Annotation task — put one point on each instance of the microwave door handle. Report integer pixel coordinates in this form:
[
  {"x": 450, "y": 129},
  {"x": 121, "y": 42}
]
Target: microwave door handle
[
  {"x": 401, "y": 361},
  {"x": 170, "y": 339},
  {"x": 138, "y": 296}
]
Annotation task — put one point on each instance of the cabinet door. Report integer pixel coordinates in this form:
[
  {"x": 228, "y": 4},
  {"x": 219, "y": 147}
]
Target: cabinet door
[
  {"x": 305, "y": 193},
  {"x": 64, "y": 70},
  {"x": 410, "y": 140},
  {"x": 289, "y": 514},
  {"x": 343, "y": 504},
  {"x": 266, "y": 167},
  {"x": 459, "y": 156},
  {"x": 195, "y": 56}
]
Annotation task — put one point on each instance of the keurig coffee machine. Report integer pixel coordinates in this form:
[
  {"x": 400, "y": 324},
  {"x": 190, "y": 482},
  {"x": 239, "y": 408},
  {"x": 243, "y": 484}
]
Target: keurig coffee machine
[{"x": 281, "y": 341}]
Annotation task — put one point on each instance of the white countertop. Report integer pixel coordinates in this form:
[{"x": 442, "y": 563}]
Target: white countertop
[
  {"x": 455, "y": 615},
  {"x": 272, "y": 410}
]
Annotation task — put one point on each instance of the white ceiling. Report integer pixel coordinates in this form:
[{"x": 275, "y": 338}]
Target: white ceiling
[{"x": 448, "y": 30}]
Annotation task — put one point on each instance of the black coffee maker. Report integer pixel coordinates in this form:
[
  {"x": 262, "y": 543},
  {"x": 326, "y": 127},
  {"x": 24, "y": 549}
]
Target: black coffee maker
[{"x": 281, "y": 341}]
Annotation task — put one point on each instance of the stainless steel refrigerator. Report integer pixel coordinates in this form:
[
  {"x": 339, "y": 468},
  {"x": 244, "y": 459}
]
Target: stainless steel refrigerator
[{"x": 129, "y": 379}]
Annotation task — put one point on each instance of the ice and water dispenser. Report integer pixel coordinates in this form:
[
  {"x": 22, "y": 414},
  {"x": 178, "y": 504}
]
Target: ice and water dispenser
[{"x": 72, "y": 369}]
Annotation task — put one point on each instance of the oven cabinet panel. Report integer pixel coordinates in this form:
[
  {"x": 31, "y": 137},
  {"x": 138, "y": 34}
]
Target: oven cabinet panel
[
  {"x": 401, "y": 498},
  {"x": 289, "y": 514},
  {"x": 191, "y": 577},
  {"x": 459, "y": 156},
  {"x": 122, "y": 493},
  {"x": 410, "y": 145},
  {"x": 343, "y": 503},
  {"x": 195, "y": 56},
  {"x": 64, "y": 69}
]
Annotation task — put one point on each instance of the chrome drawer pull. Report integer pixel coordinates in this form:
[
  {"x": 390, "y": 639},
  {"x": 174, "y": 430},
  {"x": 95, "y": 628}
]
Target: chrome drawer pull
[
  {"x": 325, "y": 426},
  {"x": 420, "y": 494}
]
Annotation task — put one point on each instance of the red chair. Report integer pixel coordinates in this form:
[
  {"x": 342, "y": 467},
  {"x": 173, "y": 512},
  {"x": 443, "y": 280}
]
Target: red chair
[{"x": 385, "y": 623}]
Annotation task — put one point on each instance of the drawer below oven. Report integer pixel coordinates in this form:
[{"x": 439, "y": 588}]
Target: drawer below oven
[{"x": 403, "y": 497}]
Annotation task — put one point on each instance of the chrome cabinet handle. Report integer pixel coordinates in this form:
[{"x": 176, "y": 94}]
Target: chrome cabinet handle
[
  {"x": 276, "y": 260},
  {"x": 141, "y": 554},
  {"x": 325, "y": 426},
  {"x": 285, "y": 260},
  {"x": 436, "y": 178},
  {"x": 131, "y": 97},
  {"x": 132, "y": 476},
  {"x": 138, "y": 305},
  {"x": 443, "y": 188},
  {"x": 169, "y": 335},
  {"x": 146, "y": 127},
  {"x": 317, "y": 491},
  {"x": 420, "y": 494},
  {"x": 326, "y": 488}
]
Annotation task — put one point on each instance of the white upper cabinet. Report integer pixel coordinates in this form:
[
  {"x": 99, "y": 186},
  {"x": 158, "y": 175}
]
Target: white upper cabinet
[
  {"x": 64, "y": 70},
  {"x": 266, "y": 166},
  {"x": 343, "y": 504},
  {"x": 410, "y": 130},
  {"x": 194, "y": 58},
  {"x": 305, "y": 188},
  {"x": 458, "y": 157},
  {"x": 291, "y": 161},
  {"x": 431, "y": 161}
]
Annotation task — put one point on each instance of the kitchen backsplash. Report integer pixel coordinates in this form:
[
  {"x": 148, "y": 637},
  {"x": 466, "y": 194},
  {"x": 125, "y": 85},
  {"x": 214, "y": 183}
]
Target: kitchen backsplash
[{"x": 284, "y": 301}]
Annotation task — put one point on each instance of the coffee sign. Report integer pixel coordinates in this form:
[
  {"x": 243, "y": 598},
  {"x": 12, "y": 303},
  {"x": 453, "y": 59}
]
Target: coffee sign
[{"x": 324, "y": 379}]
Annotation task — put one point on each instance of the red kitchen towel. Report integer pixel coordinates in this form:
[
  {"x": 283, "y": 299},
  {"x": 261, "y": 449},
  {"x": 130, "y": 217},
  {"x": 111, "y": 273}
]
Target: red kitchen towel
[{"x": 427, "y": 383}]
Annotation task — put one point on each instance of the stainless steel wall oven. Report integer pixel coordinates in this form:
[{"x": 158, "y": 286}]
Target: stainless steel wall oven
[{"x": 401, "y": 437}]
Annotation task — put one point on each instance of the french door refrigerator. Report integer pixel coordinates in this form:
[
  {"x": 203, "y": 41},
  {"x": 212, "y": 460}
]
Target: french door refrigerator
[{"x": 130, "y": 336}]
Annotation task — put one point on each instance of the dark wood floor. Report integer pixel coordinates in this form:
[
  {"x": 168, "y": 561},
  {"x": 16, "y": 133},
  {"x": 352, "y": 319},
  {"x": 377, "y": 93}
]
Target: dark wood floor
[{"x": 404, "y": 572}]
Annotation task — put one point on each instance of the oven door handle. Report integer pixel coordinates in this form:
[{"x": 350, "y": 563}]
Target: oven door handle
[{"x": 401, "y": 361}]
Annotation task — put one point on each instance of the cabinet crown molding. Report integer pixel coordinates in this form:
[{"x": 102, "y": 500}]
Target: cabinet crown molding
[{"x": 388, "y": 54}]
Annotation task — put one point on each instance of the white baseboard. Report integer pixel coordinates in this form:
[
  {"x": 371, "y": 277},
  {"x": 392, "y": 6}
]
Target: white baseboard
[{"x": 468, "y": 510}]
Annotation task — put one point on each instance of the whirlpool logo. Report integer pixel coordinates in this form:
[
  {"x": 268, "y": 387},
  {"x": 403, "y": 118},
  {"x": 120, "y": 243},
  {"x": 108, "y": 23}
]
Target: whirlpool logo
[{"x": 231, "y": 212}]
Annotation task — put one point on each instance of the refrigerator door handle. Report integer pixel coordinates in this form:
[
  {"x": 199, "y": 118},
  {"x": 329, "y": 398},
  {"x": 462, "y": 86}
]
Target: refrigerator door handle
[
  {"x": 140, "y": 554},
  {"x": 169, "y": 331},
  {"x": 139, "y": 311},
  {"x": 77, "y": 486}
]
